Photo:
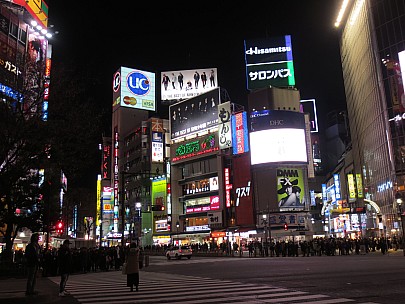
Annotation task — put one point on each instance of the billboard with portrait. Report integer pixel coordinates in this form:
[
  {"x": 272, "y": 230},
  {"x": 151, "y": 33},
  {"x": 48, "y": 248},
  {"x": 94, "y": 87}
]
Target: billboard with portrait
[
  {"x": 185, "y": 84},
  {"x": 290, "y": 188},
  {"x": 194, "y": 115}
]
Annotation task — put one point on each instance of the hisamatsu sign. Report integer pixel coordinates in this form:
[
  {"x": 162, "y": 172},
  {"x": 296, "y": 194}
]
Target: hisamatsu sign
[{"x": 269, "y": 62}]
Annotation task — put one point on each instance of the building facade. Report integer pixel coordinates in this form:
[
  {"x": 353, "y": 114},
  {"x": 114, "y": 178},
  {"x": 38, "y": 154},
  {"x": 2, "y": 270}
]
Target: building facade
[{"x": 372, "y": 36}]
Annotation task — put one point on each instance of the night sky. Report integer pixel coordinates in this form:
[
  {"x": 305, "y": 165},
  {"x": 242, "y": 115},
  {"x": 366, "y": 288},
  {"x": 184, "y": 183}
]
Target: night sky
[{"x": 175, "y": 35}]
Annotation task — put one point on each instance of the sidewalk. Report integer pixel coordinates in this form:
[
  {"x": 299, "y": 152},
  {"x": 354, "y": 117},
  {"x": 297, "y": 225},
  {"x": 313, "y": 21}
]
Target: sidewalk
[{"x": 13, "y": 291}]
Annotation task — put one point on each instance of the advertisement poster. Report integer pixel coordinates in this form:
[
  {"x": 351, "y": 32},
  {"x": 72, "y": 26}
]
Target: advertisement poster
[
  {"x": 185, "y": 84},
  {"x": 290, "y": 188}
]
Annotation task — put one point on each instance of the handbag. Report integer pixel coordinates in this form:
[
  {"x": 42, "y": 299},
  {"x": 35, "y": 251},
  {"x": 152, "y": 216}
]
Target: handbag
[{"x": 124, "y": 268}]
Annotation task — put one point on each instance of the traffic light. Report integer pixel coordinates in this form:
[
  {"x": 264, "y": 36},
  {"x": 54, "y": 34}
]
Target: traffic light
[
  {"x": 158, "y": 208},
  {"x": 59, "y": 227},
  {"x": 285, "y": 226}
]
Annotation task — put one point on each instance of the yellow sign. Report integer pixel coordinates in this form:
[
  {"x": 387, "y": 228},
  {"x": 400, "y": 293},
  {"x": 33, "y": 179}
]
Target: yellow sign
[
  {"x": 359, "y": 183},
  {"x": 352, "y": 187}
]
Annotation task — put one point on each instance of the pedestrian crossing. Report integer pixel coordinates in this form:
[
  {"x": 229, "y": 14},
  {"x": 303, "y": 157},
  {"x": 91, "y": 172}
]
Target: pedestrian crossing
[{"x": 110, "y": 287}]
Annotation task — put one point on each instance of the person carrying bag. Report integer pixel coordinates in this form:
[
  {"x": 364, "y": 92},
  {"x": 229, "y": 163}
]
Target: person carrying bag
[{"x": 132, "y": 267}]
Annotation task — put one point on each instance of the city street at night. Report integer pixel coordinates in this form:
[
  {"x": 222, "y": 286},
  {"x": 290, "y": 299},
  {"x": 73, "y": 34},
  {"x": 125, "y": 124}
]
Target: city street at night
[{"x": 371, "y": 278}]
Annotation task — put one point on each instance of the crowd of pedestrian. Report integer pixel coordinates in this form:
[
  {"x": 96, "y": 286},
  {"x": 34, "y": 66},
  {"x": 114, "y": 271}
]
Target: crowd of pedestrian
[{"x": 322, "y": 246}]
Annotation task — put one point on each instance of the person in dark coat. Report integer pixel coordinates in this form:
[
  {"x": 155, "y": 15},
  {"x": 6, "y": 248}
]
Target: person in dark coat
[
  {"x": 32, "y": 256},
  {"x": 65, "y": 265},
  {"x": 132, "y": 260}
]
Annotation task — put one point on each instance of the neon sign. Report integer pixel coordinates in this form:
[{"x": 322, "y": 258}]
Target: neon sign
[{"x": 196, "y": 148}]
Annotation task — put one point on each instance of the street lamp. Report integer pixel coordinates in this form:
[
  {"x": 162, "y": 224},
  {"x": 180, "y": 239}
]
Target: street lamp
[
  {"x": 399, "y": 200},
  {"x": 177, "y": 230},
  {"x": 138, "y": 206}
]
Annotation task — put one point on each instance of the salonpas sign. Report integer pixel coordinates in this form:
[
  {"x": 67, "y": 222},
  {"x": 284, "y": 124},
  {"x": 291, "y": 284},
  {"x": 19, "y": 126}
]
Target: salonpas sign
[{"x": 269, "y": 62}]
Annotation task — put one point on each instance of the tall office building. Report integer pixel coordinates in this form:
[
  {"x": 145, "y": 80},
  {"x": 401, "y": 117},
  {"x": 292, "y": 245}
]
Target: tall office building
[{"x": 372, "y": 36}]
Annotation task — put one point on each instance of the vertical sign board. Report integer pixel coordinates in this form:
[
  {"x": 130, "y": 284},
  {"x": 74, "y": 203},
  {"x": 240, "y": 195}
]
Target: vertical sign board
[
  {"x": 359, "y": 183},
  {"x": 98, "y": 208},
  {"x": 352, "y": 187},
  {"x": 224, "y": 125},
  {"x": 310, "y": 167},
  {"x": 324, "y": 193},
  {"x": 228, "y": 187},
  {"x": 240, "y": 131},
  {"x": 269, "y": 62},
  {"x": 401, "y": 57},
  {"x": 337, "y": 186},
  {"x": 157, "y": 147},
  {"x": 244, "y": 214},
  {"x": 106, "y": 164}
]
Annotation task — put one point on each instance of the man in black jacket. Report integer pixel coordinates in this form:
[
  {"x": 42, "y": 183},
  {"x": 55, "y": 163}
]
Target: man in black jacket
[
  {"x": 65, "y": 263},
  {"x": 32, "y": 256}
]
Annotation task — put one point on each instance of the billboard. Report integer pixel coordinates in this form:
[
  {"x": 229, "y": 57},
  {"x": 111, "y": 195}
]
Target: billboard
[
  {"x": 194, "y": 115},
  {"x": 185, "y": 84},
  {"x": 157, "y": 146},
  {"x": 241, "y": 187},
  {"x": 38, "y": 10},
  {"x": 290, "y": 188},
  {"x": 197, "y": 147},
  {"x": 269, "y": 62},
  {"x": 224, "y": 130},
  {"x": 309, "y": 106},
  {"x": 159, "y": 192},
  {"x": 108, "y": 200},
  {"x": 278, "y": 136},
  {"x": 240, "y": 137},
  {"x": 134, "y": 89}
]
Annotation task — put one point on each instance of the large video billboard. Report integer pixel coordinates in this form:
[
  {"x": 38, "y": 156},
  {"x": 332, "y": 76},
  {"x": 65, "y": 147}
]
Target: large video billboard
[
  {"x": 134, "y": 89},
  {"x": 278, "y": 136},
  {"x": 194, "y": 115},
  {"x": 185, "y": 84},
  {"x": 269, "y": 62}
]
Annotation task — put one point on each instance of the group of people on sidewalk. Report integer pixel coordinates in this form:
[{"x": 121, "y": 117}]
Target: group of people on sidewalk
[
  {"x": 322, "y": 246},
  {"x": 132, "y": 256}
]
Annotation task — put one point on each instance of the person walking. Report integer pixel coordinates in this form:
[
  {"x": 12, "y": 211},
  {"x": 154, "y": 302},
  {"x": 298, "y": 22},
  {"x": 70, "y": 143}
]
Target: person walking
[
  {"x": 65, "y": 265},
  {"x": 132, "y": 260},
  {"x": 32, "y": 256}
]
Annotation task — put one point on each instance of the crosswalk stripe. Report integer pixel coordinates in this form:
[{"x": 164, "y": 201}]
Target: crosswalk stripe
[{"x": 110, "y": 287}]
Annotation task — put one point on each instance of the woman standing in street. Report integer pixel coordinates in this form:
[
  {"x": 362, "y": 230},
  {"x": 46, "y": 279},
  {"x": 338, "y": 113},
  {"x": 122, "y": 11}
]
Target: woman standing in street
[{"x": 133, "y": 267}]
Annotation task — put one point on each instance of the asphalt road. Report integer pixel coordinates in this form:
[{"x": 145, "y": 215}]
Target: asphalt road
[{"x": 373, "y": 277}]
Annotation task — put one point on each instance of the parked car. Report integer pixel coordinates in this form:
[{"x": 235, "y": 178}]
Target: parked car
[{"x": 177, "y": 252}]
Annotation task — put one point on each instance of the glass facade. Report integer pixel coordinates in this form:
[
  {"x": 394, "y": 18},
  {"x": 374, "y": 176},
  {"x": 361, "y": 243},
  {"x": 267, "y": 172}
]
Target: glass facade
[{"x": 371, "y": 38}]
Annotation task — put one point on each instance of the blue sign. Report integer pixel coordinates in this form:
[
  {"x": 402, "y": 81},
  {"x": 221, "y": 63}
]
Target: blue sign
[{"x": 138, "y": 83}]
